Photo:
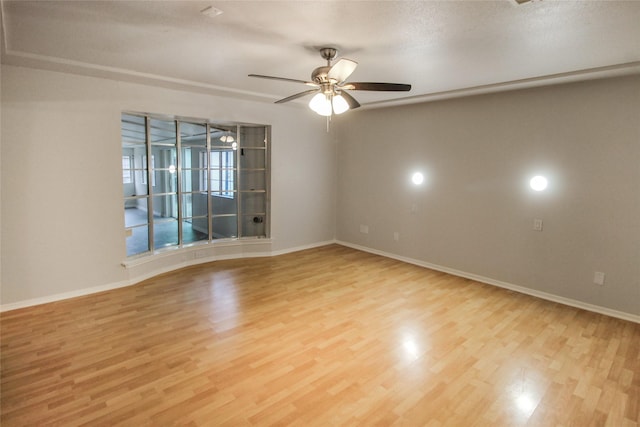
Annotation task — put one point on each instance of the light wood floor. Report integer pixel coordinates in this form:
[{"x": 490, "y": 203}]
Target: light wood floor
[{"x": 324, "y": 337}]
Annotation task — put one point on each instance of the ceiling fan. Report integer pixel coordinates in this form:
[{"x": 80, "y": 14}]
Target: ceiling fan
[{"x": 330, "y": 86}]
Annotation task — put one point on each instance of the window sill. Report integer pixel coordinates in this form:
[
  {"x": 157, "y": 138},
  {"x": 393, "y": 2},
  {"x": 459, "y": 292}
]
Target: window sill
[{"x": 204, "y": 251}]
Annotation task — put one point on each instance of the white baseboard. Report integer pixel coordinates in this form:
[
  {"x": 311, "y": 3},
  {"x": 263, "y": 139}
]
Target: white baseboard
[
  {"x": 63, "y": 296},
  {"x": 156, "y": 272},
  {"x": 521, "y": 289},
  {"x": 539, "y": 294},
  {"x": 303, "y": 248}
]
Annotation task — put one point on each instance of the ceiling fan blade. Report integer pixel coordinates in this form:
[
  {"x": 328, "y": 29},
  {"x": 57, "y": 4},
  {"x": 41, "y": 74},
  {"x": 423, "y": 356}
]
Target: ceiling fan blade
[
  {"x": 390, "y": 87},
  {"x": 283, "y": 79},
  {"x": 350, "y": 99},
  {"x": 297, "y": 95},
  {"x": 341, "y": 70}
]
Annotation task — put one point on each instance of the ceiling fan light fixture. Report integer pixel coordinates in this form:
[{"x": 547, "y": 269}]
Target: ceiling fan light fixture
[
  {"x": 227, "y": 138},
  {"x": 321, "y": 104},
  {"x": 331, "y": 96},
  {"x": 340, "y": 104}
]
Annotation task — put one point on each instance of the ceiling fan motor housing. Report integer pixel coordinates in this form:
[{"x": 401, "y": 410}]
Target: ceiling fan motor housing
[{"x": 320, "y": 75}]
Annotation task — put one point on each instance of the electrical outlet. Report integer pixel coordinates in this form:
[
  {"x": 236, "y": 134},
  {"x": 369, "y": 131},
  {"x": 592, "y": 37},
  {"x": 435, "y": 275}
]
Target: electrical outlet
[
  {"x": 598, "y": 278},
  {"x": 396, "y": 236},
  {"x": 537, "y": 224},
  {"x": 364, "y": 229}
]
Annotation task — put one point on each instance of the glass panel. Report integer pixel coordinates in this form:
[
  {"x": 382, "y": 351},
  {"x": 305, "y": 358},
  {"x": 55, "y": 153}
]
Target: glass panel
[
  {"x": 137, "y": 147},
  {"x": 223, "y": 205},
  {"x": 225, "y": 227},
  {"x": 186, "y": 158},
  {"x": 223, "y": 136},
  {"x": 251, "y": 158},
  {"x": 127, "y": 168},
  {"x": 138, "y": 241},
  {"x": 132, "y": 130},
  {"x": 193, "y": 134},
  {"x": 194, "y": 157},
  {"x": 135, "y": 212},
  {"x": 253, "y": 226},
  {"x": 163, "y": 157},
  {"x": 163, "y": 132},
  {"x": 222, "y": 176},
  {"x": 194, "y": 180},
  {"x": 140, "y": 170},
  {"x": 223, "y": 159},
  {"x": 253, "y": 203},
  {"x": 164, "y": 181},
  {"x": 195, "y": 230},
  {"x": 186, "y": 205},
  {"x": 139, "y": 187},
  {"x": 252, "y": 136},
  {"x": 222, "y": 181},
  {"x": 165, "y": 233},
  {"x": 203, "y": 161},
  {"x": 252, "y": 180},
  {"x": 194, "y": 204},
  {"x": 199, "y": 227},
  {"x": 134, "y": 178},
  {"x": 192, "y": 232},
  {"x": 165, "y": 206}
]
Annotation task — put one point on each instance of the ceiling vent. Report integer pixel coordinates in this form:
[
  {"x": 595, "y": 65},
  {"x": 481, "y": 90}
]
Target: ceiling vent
[{"x": 211, "y": 12}]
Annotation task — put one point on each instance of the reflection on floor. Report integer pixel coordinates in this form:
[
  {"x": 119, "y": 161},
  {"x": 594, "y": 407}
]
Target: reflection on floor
[
  {"x": 165, "y": 231},
  {"x": 329, "y": 336}
]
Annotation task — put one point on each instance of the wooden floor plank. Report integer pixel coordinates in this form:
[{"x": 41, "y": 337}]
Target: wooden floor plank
[{"x": 327, "y": 336}]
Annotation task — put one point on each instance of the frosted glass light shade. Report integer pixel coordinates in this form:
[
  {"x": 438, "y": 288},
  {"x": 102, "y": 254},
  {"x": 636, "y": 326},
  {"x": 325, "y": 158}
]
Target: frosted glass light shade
[
  {"x": 320, "y": 104},
  {"x": 339, "y": 104}
]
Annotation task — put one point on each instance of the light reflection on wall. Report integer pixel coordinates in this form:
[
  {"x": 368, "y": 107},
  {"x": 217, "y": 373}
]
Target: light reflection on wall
[
  {"x": 538, "y": 183},
  {"x": 417, "y": 178}
]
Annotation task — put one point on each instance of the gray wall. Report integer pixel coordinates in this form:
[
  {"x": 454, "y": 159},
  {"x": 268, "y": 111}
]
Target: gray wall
[{"x": 475, "y": 211}]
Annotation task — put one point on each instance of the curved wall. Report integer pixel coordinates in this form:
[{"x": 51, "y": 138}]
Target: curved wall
[{"x": 62, "y": 221}]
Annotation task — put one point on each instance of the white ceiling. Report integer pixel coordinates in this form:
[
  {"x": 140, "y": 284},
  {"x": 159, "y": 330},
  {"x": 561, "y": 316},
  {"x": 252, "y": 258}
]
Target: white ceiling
[{"x": 444, "y": 49}]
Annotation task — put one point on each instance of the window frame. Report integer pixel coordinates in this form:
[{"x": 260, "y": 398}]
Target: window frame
[{"x": 219, "y": 179}]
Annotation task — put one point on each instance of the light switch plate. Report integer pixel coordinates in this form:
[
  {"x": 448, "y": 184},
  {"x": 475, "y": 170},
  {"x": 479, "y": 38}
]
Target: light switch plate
[{"x": 598, "y": 278}]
